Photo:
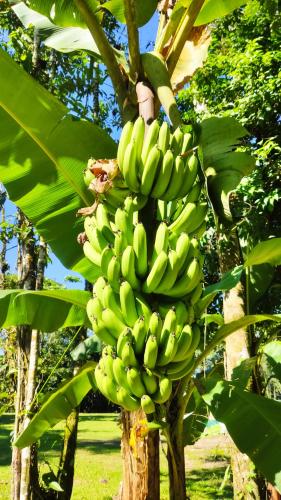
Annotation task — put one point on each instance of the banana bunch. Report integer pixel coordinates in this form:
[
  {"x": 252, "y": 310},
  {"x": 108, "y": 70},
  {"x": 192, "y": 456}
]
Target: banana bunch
[
  {"x": 161, "y": 165},
  {"x": 119, "y": 247},
  {"x": 146, "y": 347},
  {"x": 145, "y": 350}
]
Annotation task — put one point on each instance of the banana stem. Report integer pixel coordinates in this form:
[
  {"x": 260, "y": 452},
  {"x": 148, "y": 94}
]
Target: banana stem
[
  {"x": 107, "y": 53},
  {"x": 133, "y": 39},
  {"x": 182, "y": 34}
]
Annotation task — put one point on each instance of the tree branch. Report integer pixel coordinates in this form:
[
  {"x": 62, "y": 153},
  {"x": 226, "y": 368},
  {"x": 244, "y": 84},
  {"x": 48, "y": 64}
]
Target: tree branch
[
  {"x": 133, "y": 39},
  {"x": 106, "y": 52},
  {"x": 182, "y": 34}
]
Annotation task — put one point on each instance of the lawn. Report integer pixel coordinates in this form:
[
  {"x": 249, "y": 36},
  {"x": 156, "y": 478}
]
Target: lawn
[{"x": 98, "y": 469}]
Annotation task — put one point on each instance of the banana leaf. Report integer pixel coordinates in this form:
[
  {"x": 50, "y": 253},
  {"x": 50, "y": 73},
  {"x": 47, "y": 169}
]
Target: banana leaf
[
  {"x": 144, "y": 10},
  {"x": 62, "y": 12},
  {"x": 224, "y": 166},
  {"x": 45, "y": 310},
  {"x": 252, "y": 421},
  {"x": 43, "y": 152},
  {"x": 58, "y": 405},
  {"x": 214, "y": 9}
]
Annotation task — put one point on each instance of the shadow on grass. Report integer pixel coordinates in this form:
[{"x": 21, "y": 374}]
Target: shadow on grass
[
  {"x": 207, "y": 482},
  {"x": 5, "y": 446}
]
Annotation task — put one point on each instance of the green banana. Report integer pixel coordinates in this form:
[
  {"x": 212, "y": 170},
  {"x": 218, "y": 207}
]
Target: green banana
[
  {"x": 124, "y": 223},
  {"x": 150, "y": 169},
  {"x": 88, "y": 176},
  {"x": 163, "y": 175},
  {"x": 130, "y": 167},
  {"x": 107, "y": 357},
  {"x": 105, "y": 258},
  {"x": 135, "y": 382},
  {"x": 139, "y": 335},
  {"x": 187, "y": 282},
  {"x": 123, "y": 142},
  {"x": 94, "y": 308},
  {"x": 190, "y": 219},
  {"x": 168, "y": 350},
  {"x": 110, "y": 389},
  {"x": 196, "y": 336},
  {"x": 175, "y": 184},
  {"x": 113, "y": 273},
  {"x": 143, "y": 308},
  {"x": 186, "y": 143},
  {"x": 150, "y": 352},
  {"x": 147, "y": 404},
  {"x": 182, "y": 248},
  {"x": 149, "y": 380},
  {"x": 161, "y": 241},
  {"x": 161, "y": 211},
  {"x": 176, "y": 142},
  {"x": 111, "y": 301},
  {"x": 183, "y": 372},
  {"x": 183, "y": 343},
  {"x": 120, "y": 373},
  {"x": 120, "y": 243},
  {"x": 91, "y": 254},
  {"x": 126, "y": 400},
  {"x": 171, "y": 273},
  {"x": 112, "y": 322},
  {"x": 94, "y": 236},
  {"x": 156, "y": 273},
  {"x": 102, "y": 332},
  {"x": 128, "y": 355},
  {"x": 196, "y": 294},
  {"x": 150, "y": 140},
  {"x": 98, "y": 289},
  {"x": 181, "y": 314},
  {"x": 103, "y": 223},
  {"x": 138, "y": 136},
  {"x": 128, "y": 267},
  {"x": 164, "y": 137},
  {"x": 191, "y": 171},
  {"x": 140, "y": 249},
  {"x": 125, "y": 336},
  {"x": 169, "y": 325},
  {"x": 128, "y": 304},
  {"x": 191, "y": 314},
  {"x": 194, "y": 193},
  {"x": 164, "y": 392},
  {"x": 155, "y": 325}
]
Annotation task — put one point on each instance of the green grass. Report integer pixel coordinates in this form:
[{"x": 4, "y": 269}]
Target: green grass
[{"x": 98, "y": 470}]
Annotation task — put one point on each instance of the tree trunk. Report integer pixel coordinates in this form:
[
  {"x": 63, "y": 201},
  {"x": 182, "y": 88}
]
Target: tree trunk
[
  {"x": 237, "y": 348},
  {"x": 25, "y": 483},
  {"x": 66, "y": 467},
  {"x": 140, "y": 455},
  {"x": 175, "y": 451}
]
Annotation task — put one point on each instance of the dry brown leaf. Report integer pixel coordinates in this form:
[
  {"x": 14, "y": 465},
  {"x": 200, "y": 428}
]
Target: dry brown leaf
[{"x": 192, "y": 57}]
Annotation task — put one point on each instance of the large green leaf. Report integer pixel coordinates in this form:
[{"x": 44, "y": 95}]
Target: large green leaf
[
  {"x": 62, "y": 12},
  {"x": 214, "y": 9},
  {"x": 253, "y": 423},
  {"x": 195, "y": 419},
  {"x": 144, "y": 10},
  {"x": 58, "y": 405},
  {"x": 87, "y": 349},
  {"x": 66, "y": 39},
  {"x": 45, "y": 310},
  {"x": 229, "y": 280},
  {"x": 43, "y": 152},
  {"x": 243, "y": 322},
  {"x": 260, "y": 279},
  {"x": 266, "y": 251},
  {"x": 272, "y": 354},
  {"x": 223, "y": 165}
]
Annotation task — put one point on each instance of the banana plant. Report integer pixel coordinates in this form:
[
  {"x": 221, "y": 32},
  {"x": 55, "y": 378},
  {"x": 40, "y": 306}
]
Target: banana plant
[{"x": 52, "y": 194}]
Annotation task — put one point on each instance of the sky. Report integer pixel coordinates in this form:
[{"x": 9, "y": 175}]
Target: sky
[{"x": 55, "y": 269}]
